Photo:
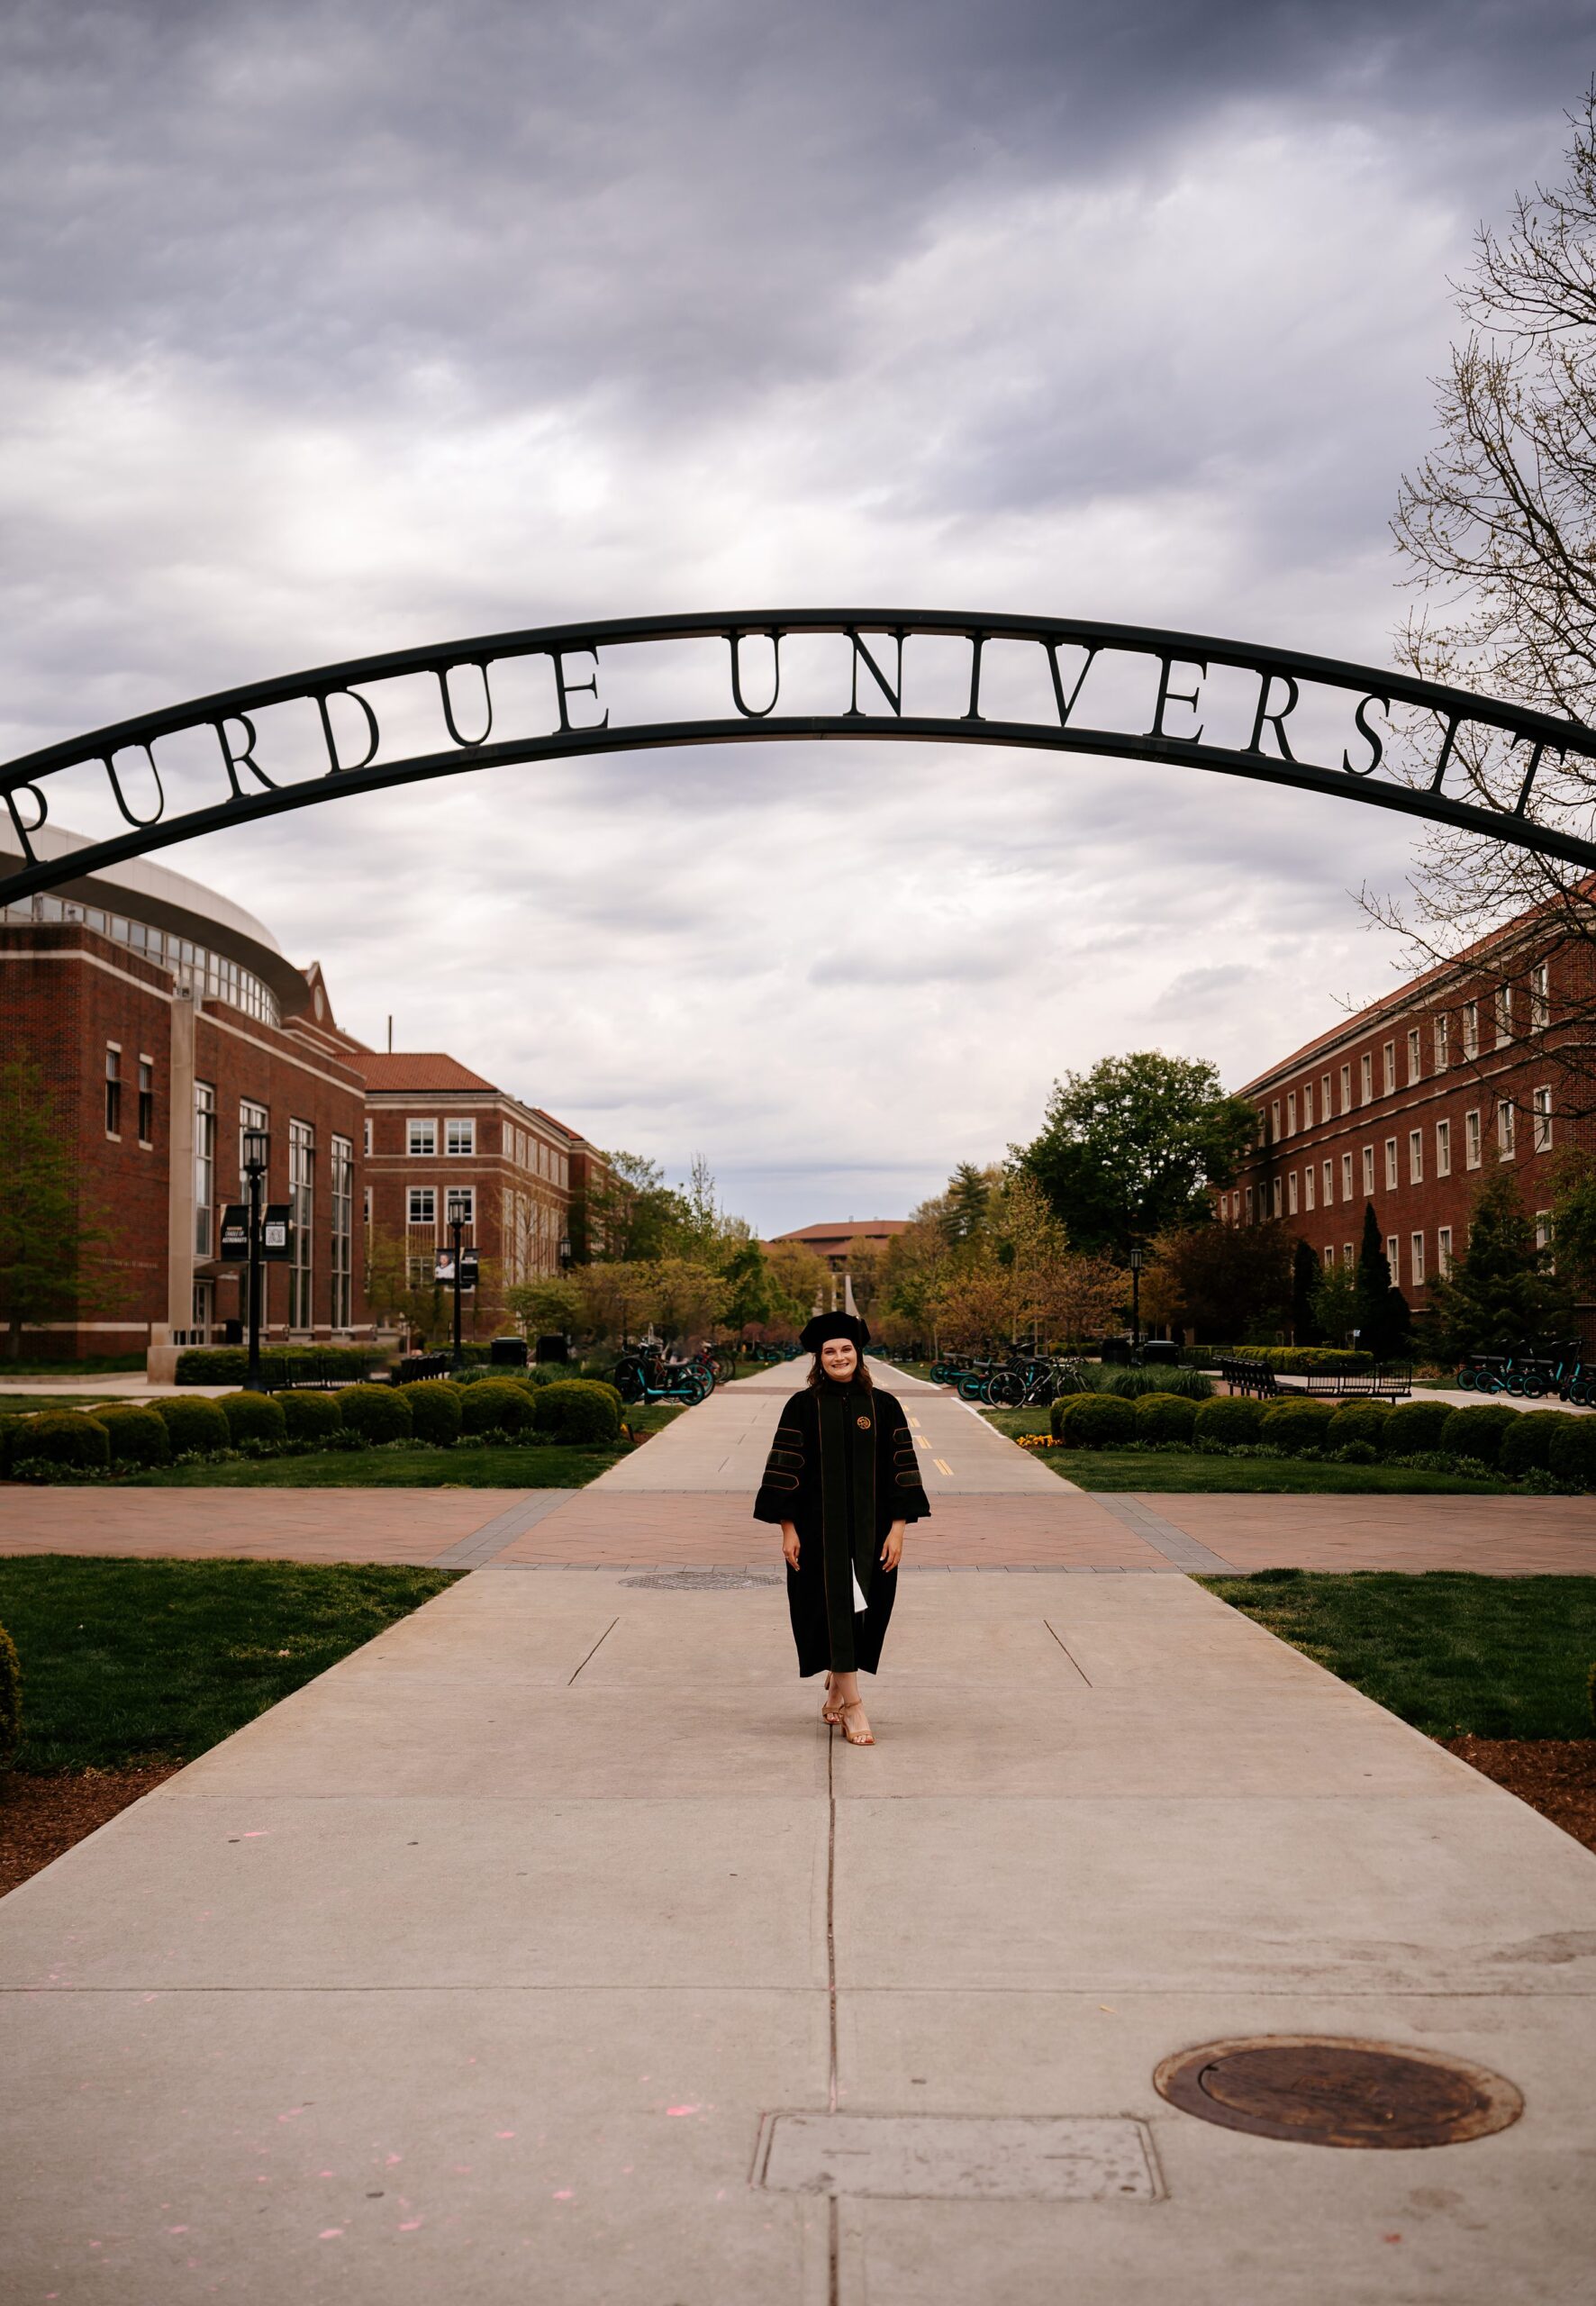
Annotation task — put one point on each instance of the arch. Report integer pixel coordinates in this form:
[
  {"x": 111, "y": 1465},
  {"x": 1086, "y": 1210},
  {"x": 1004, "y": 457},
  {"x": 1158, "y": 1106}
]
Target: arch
[{"x": 1125, "y": 692}]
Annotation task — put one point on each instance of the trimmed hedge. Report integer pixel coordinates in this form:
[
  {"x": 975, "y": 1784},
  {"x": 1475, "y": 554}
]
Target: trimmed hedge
[
  {"x": 499, "y": 1406},
  {"x": 1528, "y": 1441},
  {"x": 1573, "y": 1453},
  {"x": 1093, "y": 1421},
  {"x": 1357, "y": 1422},
  {"x": 216, "y": 1365},
  {"x": 1477, "y": 1431},
  {"x": 579, "y": 1409},
  {"x": 63, "y": 1437},
  {"x": 1134, "y": 1384},
  {"x": 1290, "y": 1360},
  {"x": 253, "y": 1417},
  {"x": 11, "y": 1701},
  {"x": 376, "y": 1412},
  {"x": 1165, "y": 1416},
  {"x": 197, "y": 1424},
  {"x": 309, "y": 1417},
  {"x": 1231, "y": 1419},
  {"x": 1413, "y": 1428},
  {"x": 1295, "y": 1426},
  {"x": 136, "y": 1435},
  {"x": 435, "y": 1411}
]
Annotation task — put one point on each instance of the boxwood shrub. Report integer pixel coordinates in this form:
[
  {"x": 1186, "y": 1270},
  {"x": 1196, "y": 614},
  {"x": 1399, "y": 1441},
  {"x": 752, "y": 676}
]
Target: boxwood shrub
[
  {"x": 11, "y": 1701},
  {"x": 196, "y": 1424},
  {"x": 136, "y": 1435},
  {"x": 1528, "y": 1441},
  {"x": 1297, "y": 1425},
  {"x": 1228, "y": 1419},
  {"x": 1093, "y": 1421},
  {"x": 1165, "y": 1416},
  {"x": 1572, "y": 1454},
  {"x": 1413, "y": 1428},
  {"x": 63, "y": 1437},
  {"x": 309, "y": 1416},
  {"x": 376, "y": 1412},
  {"x": 435, "y": 1411},
  {"x": 1190, "y": 1385},
  {"x": 1477, "y": 1431},
  {"x": 217, "y": 1365},
  {"x": 500, "y": 1405},
  {"x": 253, "y": 1417},
  {"x": 578, "y": 1410},
  {"x": 1357, "y": 1422}
]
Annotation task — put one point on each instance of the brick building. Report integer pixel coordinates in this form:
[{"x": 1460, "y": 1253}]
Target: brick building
[
  {"x": 165, "y": 1021},
  {"x": 838, "y": 1243},
  {"x": 1414, "y": 1100}
]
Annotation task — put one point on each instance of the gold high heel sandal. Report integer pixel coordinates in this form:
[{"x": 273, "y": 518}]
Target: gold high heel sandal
[{"x": 869, "y": 1738}]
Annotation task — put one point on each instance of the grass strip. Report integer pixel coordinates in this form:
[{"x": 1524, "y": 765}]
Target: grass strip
[
  {"x": 1456, "y": 1653},
  {"x": 125, "y": 1661},
  {"x": 1192, "y": 1471}
]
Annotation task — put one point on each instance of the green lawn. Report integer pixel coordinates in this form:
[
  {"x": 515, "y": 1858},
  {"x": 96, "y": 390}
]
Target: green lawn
[
  {"x": 1180, "y": 1469},
  {"x": 124, "y": 1661},
  {"x": 1454, "y": 1654}
]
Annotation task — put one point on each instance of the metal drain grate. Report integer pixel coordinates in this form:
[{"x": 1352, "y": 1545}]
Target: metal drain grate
[
  {"x": 702, "y": 1580},
  {"x": 1325, "y": 2091}
]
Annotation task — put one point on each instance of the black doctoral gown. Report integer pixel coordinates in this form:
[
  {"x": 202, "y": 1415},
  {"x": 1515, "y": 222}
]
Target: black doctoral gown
[{"x": 842, "y": 1469}]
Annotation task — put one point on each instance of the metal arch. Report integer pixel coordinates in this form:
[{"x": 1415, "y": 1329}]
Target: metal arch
[{"x": 871, "y": 668}]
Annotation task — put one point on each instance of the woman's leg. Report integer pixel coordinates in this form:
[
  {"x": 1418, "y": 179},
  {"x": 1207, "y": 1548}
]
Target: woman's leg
[{"x": 855, "y": 1726}]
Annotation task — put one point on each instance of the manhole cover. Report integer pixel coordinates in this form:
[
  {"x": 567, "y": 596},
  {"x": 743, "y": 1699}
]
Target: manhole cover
[
  {"x": 1332, "y": 2092},
  {"x": 702, "y": 1580}
]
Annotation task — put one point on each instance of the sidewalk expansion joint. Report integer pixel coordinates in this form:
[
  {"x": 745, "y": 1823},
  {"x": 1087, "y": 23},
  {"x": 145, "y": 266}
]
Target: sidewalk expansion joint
[
  {"x": 478, "y": 1546},
  {"x": 1174, "y": 1545}
]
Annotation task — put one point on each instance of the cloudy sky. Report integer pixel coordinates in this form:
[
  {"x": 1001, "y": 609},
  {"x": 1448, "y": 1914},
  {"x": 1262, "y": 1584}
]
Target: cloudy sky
[{"x": 337, "y": 328}]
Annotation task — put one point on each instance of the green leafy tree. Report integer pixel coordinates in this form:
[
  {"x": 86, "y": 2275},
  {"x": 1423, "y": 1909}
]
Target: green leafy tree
[
  {"x": 1125, "y": 1150},
  {"x": 1384, "y": 1325},
  {"x": 1574, "y": 1216},
  {"x": 967, "y": 1203},
  {"x": 544, "y": 1307},
  {"x": 54, "y": 1258},
  {"x": 629, "y": 1215},
  {"x": 1334, "y": 1303},
  {"x": 1499, "y": 1291},
  {"x": 1225, "y": 1281},
  {"x": 1305, "y": 1273},
  {"x": 752, "y": 1296}
]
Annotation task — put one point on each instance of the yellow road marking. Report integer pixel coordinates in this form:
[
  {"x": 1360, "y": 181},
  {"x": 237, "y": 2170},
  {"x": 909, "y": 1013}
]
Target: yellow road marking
[
  {"x": 922, "y": 1442},
  {"x": 941, "y": 1468}
]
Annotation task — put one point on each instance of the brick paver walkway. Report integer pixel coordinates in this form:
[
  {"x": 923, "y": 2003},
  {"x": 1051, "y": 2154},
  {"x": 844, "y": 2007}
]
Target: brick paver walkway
[{"x": 1516, "y": 1537}]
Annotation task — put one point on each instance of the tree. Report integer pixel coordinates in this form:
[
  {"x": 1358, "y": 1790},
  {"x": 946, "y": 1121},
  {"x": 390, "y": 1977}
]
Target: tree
[
  {"x": 55, "y": 1260},
  {"x": 798, "y": 1277},
  {"x": 1383, "y": 1323},
  {"x": 752, "y": 1297},
  {"x": 629, "y": 1215},
  {"x": 966, "y": 1203},
  {"x": 689, "y": 1299},
  {"x": 1334, "y": 1303},
  {"x": 1227, "y": 1282},
  {"x": 1498, "y": 525},
  {"x": 1500, "y": 1293},
  {"x": 1126, "y": 1150},
  {"x": 1574, "y": 1216},
  {"x": 618, "y": 1297},
  {"x": 544, "y": 1307},
  {"x": 1305, "y": 1273}
]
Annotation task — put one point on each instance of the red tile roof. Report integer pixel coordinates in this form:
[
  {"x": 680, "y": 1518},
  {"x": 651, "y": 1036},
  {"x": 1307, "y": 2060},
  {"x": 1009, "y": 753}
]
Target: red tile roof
[
  {"x": 417, "y": 1072},
  {"x": 848, "y": 1230}
]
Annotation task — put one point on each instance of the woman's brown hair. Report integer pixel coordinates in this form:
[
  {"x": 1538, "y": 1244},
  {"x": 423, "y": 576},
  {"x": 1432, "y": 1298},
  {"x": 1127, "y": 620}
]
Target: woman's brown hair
[{"x": 861, "y": 1374}]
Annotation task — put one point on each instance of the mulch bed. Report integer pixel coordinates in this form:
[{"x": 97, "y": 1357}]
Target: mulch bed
[
  {"x": 40, "y": 1817},
  {"x": 1555, "y": 1775}
]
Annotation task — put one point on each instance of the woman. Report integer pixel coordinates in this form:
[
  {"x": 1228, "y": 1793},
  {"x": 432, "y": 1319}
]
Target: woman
[{"x": 842, "y": 1479}]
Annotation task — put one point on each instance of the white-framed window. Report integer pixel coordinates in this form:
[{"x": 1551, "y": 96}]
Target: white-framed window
[
  {"x": 1540, "y": 997},
  {"x": 1365, "y": 1077},
  {"x": 1329, "y": 1176},
  {"x": 1346, "y": 1177},
  {"x": 421, "y": 1205},
  {"x": 1348, "y": 1256},
  {"x": 145, "y": 1101},
  {"x": 1324, "y": 1096},
  {"x": 1415, "y": 1157},
  {"x": 1390, "y": 1163},
  {"x": 1470, "y": 1141},
  {"x": 1393, "y": 1257},
  {"x": 1471, "y": 1029},
  {"x": 1368, "y": 1171},
  {"x": 1307, "y": 1104},
  {"x": 341, "y": 1187},
  {"x": 1444, "y": 1251},
  {"x": 1309, "y": 1177},
  {"x": 1347, "y": 1088},
  {"x": 1541, "y": 1103},
  {"x": 461, "y": 1204},
  {"x": 1543, "y": 1230},
  {"x": 365, "y": 1138},
  {"x": 1290, "y": 1194},
  {"x": 1443, "y": 1149},
  {"x": 1507, "y": 1135},
  {"x": 420, "y": 1136},
  {"x": 460, "y": 1136},
  {"x": 1416, "y": 1260},
  {"x": 250, "y": 1116},
  {"x": 1415, "y": 1056},
  {"x": 1388, "y": 1067},
  {"x": 1275, "y": 1119},
  {"x": 302, "y": 1177},
  {"x": 204, "y": 1164},
  {"x": 366, "y": 1207},
  {"x": 113, "y": 1090},
  {"x": 1443, "y": 1041},
  {"x": 1249, "y": 1203},
  {"x": 1263, "y": 1134},
  {"x": 1290, "y": 1113},
  {"x": 1330, "y": 1253},
  {"x": 1504, "y": 1013}
]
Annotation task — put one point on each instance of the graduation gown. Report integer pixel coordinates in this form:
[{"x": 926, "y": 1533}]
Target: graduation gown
[{"x": 842, "y": 1469}]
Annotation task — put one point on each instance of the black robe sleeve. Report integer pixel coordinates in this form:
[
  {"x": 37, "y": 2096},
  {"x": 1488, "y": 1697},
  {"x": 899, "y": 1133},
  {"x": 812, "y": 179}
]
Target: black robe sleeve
[
  {"x": 789, "y": 1468},
  {"x": 904, "y": 1491}
]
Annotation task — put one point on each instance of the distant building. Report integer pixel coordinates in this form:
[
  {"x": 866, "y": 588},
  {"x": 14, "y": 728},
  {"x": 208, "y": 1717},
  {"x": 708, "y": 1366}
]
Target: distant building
[{"x": 837, "y": 1244}]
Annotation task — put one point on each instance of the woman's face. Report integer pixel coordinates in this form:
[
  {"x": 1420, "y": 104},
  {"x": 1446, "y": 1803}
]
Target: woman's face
[{"x": 840, "y": 1358}]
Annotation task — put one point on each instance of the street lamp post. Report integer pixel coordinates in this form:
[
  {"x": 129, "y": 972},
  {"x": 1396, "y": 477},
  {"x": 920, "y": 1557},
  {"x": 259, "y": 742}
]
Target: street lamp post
[
  {"x": 1136, "y": 1264},
  {"x": 257, "y": 1153}
]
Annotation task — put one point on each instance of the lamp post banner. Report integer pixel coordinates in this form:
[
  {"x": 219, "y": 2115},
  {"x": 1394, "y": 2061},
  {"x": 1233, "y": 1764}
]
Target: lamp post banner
[{"x": 1057, "y": 685}]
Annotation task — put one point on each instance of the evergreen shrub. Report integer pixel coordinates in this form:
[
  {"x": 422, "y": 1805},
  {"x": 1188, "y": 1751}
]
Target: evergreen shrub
[
  {"x": 1131, "y": 1384},
  {"x": 436, "y": 1409},
  {"x": 1357, "y": 1453},
  {"x": 197, "y": 1424},
  {"x": 136, "y": 1435},
  {"x": 253, "y": 1417},
  {"x": 1297, "y": 1425},
  {"x": 1093, "y": 1421},
  {"x": 376, "y": 1412},
  {"x": 63, "y": 1437},
  {"x": 1357, "y": 1422},
  {"x": 498, "y": 1406},
  {"x": 1528, "y": 1441},
  {"x": 309, "y": 1417},
  {"x": 216, "y": 1365},
  {"x": 1290, "y": 1360},
  {"x": 577, "y": 1410},
  {"x": 1229, "y": 1418},
  {"x": 11, "y": 1701},
  {"x": 1165, "y": 1416},
  {"x": 1413, "y": 1428},
  {"x": 1477, "y": 1431},
  {"x": 1572, "y": 1454}
]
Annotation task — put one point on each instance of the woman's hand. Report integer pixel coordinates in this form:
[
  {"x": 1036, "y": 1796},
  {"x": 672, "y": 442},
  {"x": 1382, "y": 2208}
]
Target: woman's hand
[
  {"x": 789, "y": 1543},
  {"x": 892, "y": 1547}
]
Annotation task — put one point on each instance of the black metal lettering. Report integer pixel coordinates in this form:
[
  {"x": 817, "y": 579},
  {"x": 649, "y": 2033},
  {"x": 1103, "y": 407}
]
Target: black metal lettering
[
  {"x": 121, "y": 799},
  {"x": 1435, "y": 782},
  {"x": 894, "y": 696},
  {"x": 1275, "y": 721},
  {"x": 734, "y": 641},
  {"x": 1167, "y": 695},
  {"x": 564, "y": 688},
  {"x": 1372, "y": 736},
  {"x": 22, "y": 830},
  {"x": 245, "y": 759},
  {"x": 468, "y": 744},
  {"x": 977, "y": 643},
  {"x": 335, "y": 766},
  {"x": 1065, "y": 709}
]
